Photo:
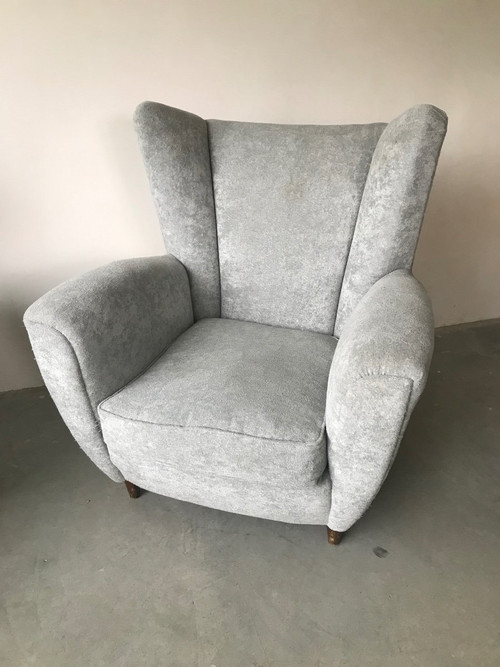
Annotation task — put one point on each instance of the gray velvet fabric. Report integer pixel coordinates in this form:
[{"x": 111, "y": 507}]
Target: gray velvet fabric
[
  {"x": 305, "y": 503},
  {"x": 61, "y": 373},
  {"x": 286, "y": 198},
  {"x": 233, "y": 399},
  {"x": 377, "y": 375},
  {"x": 393, "y": 204},
  {"x": 94, "y": 334},
  {"x": 174, "y": 146},
  {"x": 169, "y": 375}
]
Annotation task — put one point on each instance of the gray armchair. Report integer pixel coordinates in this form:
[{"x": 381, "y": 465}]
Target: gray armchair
[{"x": 269, "y": 365}]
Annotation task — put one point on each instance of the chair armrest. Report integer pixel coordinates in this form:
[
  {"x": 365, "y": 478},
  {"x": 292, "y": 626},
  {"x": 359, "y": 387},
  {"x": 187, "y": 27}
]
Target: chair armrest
[
  {"x": 93, "y": 334},
  {"x": 378, "y": 372}
]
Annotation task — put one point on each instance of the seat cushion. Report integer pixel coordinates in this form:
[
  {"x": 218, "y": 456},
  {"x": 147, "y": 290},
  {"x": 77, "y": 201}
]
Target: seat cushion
[{"x": 228, "y": 398}]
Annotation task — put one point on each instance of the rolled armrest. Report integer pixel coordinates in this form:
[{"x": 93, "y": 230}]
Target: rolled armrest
[
  {"x": 93, "y": 334},
  {"x": 378, "y": 372}
]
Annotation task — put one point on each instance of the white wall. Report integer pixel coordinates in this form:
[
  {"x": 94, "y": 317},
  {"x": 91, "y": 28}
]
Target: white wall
[{"x": 73, "y": 193}]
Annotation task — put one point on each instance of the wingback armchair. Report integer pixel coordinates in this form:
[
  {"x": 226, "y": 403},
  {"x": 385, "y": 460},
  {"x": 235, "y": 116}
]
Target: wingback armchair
[{"x": 269, "y": 365}]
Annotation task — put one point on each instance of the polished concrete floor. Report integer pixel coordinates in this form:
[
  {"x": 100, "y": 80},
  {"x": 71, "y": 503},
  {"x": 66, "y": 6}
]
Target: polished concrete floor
[{"x": 90, "y": 577}]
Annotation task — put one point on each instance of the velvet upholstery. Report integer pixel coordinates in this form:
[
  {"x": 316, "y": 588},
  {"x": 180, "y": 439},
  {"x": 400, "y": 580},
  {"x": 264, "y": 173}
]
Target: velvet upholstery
[
  {"x": 93, "y": 334},
  {"x": 174, "y": 145},
  {"x": 229, "y": 399},
  {"x": 214, "y": 375},
  {"x": 287, "y": 198},
  {"x": 393, "y": 203},
  {"x": 377, "y": 375}
]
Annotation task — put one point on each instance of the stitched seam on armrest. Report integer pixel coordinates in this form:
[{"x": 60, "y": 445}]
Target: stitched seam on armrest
[
  {"x": 80, "y": 372},
  {"x": 82, "y": 378},
  {"x": 397, "y": 442},
  {"x": 403, "y": 421},
  {"x": 389, "y": 375},
  {"x": 370, "y": 374},
  {"x": 397, "y": 377},
  {"x": 400, "y": 429}
]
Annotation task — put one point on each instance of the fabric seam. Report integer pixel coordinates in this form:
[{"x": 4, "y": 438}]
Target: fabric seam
[
  {"x": 215, "y": 213},
  {"x": 394, "y": 449},
  {"x": 135, "y": 377},
  {"x": 144, "y": 370},
  {"x": 317, "y": 441},
  {"x": 368, "y": 374},
  {"x": 351, "y": 241},
  {"x": 80, "y": 372}
]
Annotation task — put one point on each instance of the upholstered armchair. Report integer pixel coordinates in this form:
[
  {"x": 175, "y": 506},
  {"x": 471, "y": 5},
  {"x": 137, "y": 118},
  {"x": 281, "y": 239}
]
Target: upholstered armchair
[{"x": 269, "y": 365}]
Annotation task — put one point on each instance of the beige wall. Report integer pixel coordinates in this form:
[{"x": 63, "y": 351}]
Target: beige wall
[{"x": 73, "y": 194}]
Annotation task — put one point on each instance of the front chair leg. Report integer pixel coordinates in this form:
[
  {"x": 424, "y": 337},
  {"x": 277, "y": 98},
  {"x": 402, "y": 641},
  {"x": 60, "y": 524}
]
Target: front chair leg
[
  {"x": 334, "y": 536},
  {"x": 134, "y": 491}
]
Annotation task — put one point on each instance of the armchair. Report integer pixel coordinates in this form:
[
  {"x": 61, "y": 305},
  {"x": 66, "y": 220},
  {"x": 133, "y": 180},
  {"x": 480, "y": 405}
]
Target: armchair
[{"x": 270, "y": 364}]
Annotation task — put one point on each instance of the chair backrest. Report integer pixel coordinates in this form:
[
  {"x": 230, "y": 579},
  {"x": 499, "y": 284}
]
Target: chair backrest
[{"x": 288, "y": 225}]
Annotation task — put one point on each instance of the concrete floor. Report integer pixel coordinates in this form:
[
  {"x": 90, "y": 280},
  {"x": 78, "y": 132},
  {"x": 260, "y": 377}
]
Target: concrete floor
[{"x": 90, "y": 577}]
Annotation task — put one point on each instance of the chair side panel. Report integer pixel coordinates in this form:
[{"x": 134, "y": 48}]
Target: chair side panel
[
  {"x": 174, "y": 145},
  {"x": 393, "y": 203}
]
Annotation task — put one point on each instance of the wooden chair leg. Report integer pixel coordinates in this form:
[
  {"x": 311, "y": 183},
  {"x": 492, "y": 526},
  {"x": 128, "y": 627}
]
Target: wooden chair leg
[
  {"x": 334, "y": 536},
  {"x": 133, "y": 490}
]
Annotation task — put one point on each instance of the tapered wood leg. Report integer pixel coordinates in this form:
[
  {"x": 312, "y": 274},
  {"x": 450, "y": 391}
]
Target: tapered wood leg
[
  {"x": 133, "y": 490},
  {"x": 334, "y": 536}
]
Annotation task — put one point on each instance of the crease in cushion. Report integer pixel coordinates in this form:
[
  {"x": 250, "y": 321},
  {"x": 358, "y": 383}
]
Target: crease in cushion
[{"x": 243, "y": 399}]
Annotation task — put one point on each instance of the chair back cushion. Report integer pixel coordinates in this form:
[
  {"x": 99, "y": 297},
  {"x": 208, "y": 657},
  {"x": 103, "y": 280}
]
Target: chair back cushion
[
  {"x": 289, "y": 225},
  {"x": 286, "y": 201}
]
